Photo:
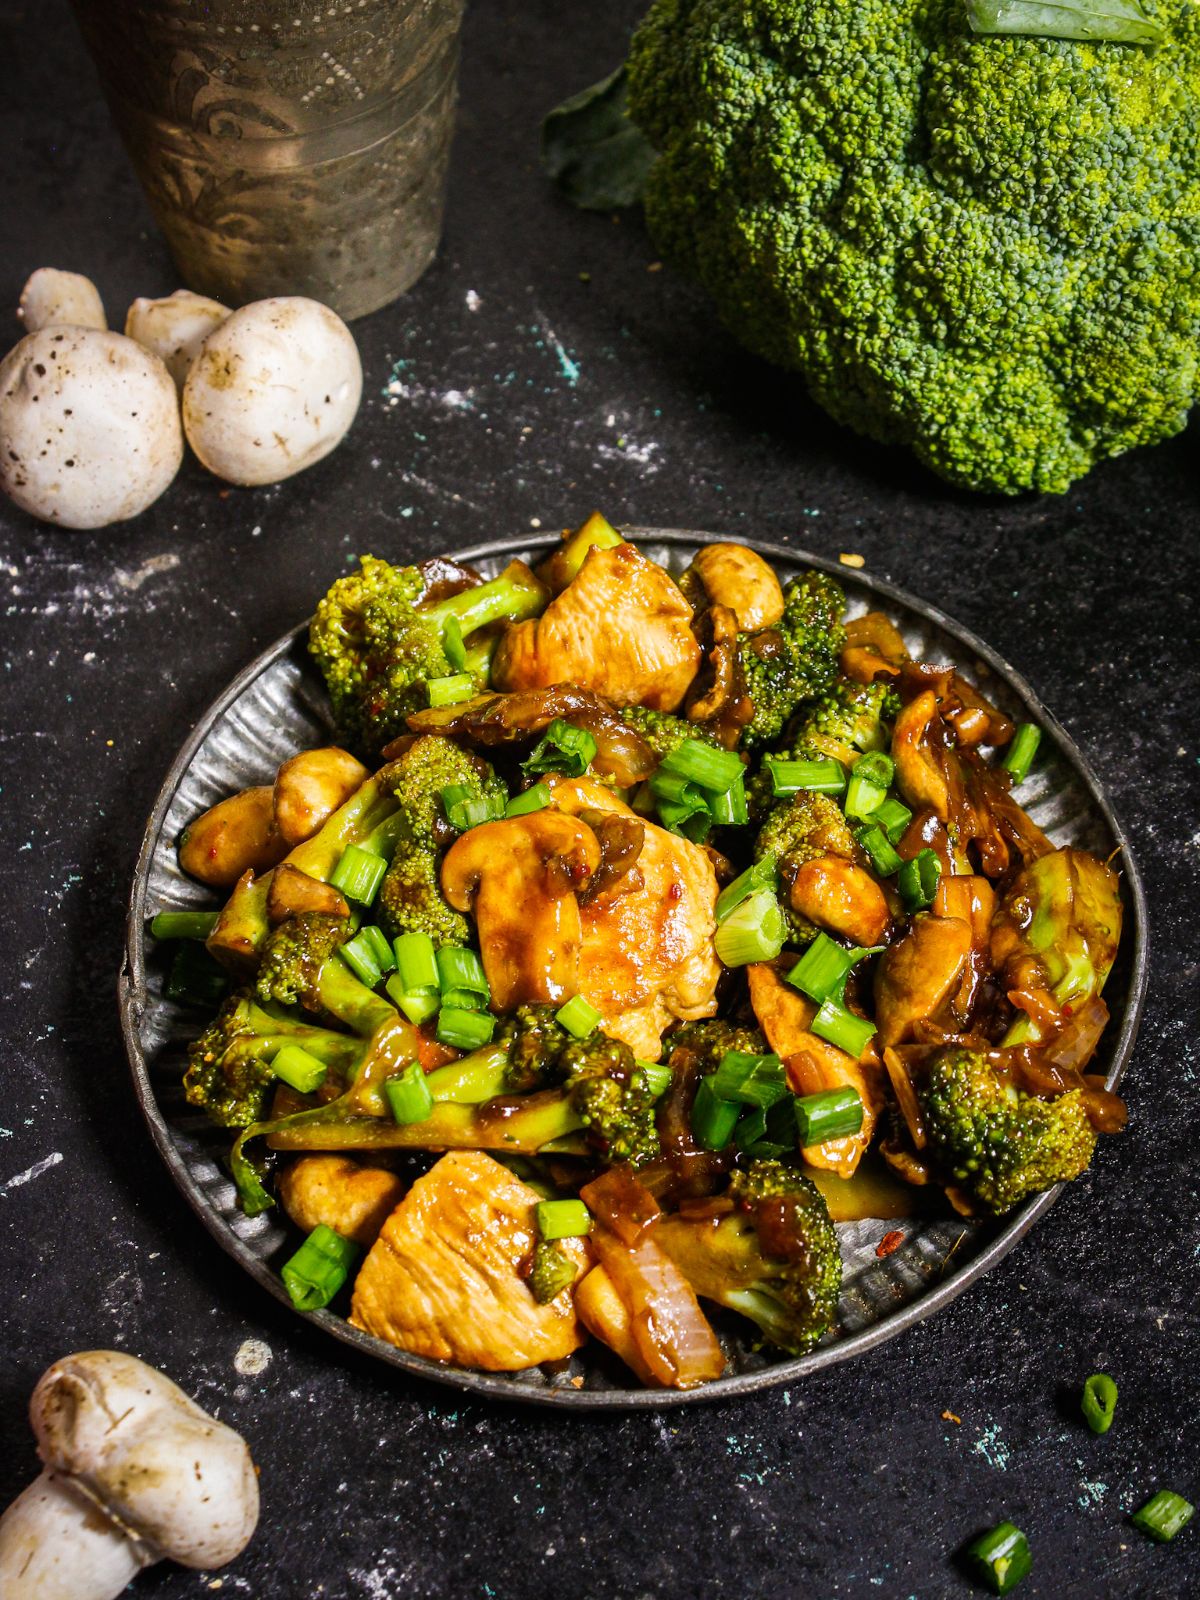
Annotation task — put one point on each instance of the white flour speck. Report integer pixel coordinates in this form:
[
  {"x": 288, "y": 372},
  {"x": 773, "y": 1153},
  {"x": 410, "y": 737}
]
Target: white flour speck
[{"x": 253, "y": 1357}]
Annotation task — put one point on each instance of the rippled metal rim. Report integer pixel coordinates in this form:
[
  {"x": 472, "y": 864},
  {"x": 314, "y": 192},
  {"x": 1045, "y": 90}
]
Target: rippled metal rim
[{"x": 132, "y": 992}]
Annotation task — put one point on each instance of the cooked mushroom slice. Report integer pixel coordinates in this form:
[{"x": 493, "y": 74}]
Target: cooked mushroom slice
[
  {"x": 446, "y": 1276},
  {"x": 353, "y": 1200},
  {"x": 310, "y": 787},
  {"x": 837, "y": 895},
  {"x": 622, "y": 628},
  {"x": 873, "y": 648},
  {"x": 918, "y": 974},
  {"x": 236, "y": 835},
  {"x": 520, "y": 878},
  {"x": 291, "y": 893},
  {"x": 920, "y": 776},
  {"x": 735, "y": 576}
]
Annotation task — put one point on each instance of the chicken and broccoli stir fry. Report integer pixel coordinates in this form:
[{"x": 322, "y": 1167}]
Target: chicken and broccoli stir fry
[{"x": 645, "y": 929}]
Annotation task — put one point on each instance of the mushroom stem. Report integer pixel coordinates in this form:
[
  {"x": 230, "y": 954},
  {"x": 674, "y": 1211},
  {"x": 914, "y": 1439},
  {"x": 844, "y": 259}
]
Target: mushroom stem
[{"x": 55, "y": 1544}]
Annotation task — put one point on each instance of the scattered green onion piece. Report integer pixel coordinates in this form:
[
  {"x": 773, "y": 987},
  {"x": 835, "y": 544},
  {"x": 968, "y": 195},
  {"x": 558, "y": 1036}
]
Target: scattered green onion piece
[
  {"x": 917, "y": 880},
  {"x": 882, "y": 852},
  {"x": 416, "y": 961},
  {"x": 459, "y": 968},
  {"x": 368, "y": 955},
  {"x": 562, "y": 1219},
  {"x": 1099, "y": 1402},
  {"x": 318, "y": 1269},
  {"x": 831, "y": 1114},
  {"x": 730, "y": 809},
  {"x": 195, "y": 978},
  {"x": 658, "y": 1076},
  {"x": 358, "y": 874},
  {"x": 677, "y": 790},
  {"x": 704, "y": 765},
  {"x": 763, "y": 874},
  {"x": 750, "y": 1080},
  {"x": 578, "y": 1016},
  {"x": 822, "y": 970},
  {"x": 780, "y": 1136},
  {"x": 842, "y": 1028},
  {"x": 464, "y": 1030},
  {"x": 1163, "y": 1515},
  {"x": 535, "y": 799},
  {"x": 418, "y": 1005},
  {"x": 893, "y": 816},
  {"x": 1000, "y": 1558},
  {"x": 408, "y": 1096},
  {"x": 466, "y": 808},
  {"x": 562, "y": 748},
  {"x": 713, "y": 1119},
  {"x": 754, "y": 931},
  {"x": 790, "y": 777},
  {"x": 875, "y": 767},
  {"x": 1020, "y": 754},
  {"x": 449, "y": 691},
  {"x": 751, "y": 1128},
  {"x": 454, "y": 644},
  {"x": 183, "y": 924},
  {"x": 689, "y": 817},
  {"x": 299, "y": 1070},
  {"x": 464, "y": 1000}
]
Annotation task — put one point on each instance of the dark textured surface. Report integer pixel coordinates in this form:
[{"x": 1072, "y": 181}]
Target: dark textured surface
[{"x": 528, "y": 393}]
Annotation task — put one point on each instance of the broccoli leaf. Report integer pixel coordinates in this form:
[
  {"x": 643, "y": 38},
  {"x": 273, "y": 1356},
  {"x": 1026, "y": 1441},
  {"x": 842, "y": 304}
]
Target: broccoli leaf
[
  {"x": 1117, "y": 21},
  {"x": 593, "y": 153}
]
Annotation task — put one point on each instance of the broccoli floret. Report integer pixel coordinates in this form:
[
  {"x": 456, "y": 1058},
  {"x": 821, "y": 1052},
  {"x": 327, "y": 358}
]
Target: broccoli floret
[
  {"x": 229, "y": 1066},
  {"x": 848, "y": 720},
  {"x": 996, "y": 1142},
  {"x": 535, "y": 1042},
  {"x": 300, "y": 965},
  {"x": 798, "y": 830},
  {"x": 774, "y": 1258},
  {"x": 663, "y": 732},
  {"x": 552, "y": 1271},
  {"x": 378, "y": 646},
  {"x": 611, "y": 1097},
  {"x": 708, "y": 1041},
  {"x": 983, "y": 248},
  {"x": 410, "y": 897},
  {"x": 795, "y": 660}
]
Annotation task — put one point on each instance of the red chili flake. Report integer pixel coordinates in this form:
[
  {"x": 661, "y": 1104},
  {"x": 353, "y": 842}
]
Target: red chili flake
[
  {"x": 890, "y": 1241},
  {"x": 1068, "y": 1010}
]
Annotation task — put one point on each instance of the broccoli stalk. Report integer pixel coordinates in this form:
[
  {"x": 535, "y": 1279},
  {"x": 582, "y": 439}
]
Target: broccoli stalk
[{"x": 774, "y": 1257}]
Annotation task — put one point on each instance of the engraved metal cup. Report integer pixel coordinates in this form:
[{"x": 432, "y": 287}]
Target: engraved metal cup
[{"x": 286, "y": 146}]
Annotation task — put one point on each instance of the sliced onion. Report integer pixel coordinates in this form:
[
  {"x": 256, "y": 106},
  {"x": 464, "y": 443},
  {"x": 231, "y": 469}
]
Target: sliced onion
[
  {"x": 668, "y": 1326},
  {"x": 618, "y": 1200},
  {"x": 906, "y": 1096}
]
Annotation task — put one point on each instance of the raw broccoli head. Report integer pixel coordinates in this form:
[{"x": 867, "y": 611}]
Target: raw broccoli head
[
  {"x": 849, "y": 718},
  {"x": 996, "y": 1142},
  {"x": 981, "y": 247},
  {"x": 774, "y": 1258},
  {"x": 535, "y": 1044},
  {"x": 410, "y": 897},
  {"x": 611, "y": 1097},
  {"x": 794, "y": 661}
]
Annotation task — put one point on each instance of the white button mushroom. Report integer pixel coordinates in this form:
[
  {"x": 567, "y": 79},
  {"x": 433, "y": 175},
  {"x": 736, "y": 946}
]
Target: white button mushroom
[
  {"x": 272, "y": 391},
  {"x": 134, "y": 1472},
  {"x": 89, "y": 427},
  {"x": 54, "y": 299},
  {"x": 174, "y": 328}
]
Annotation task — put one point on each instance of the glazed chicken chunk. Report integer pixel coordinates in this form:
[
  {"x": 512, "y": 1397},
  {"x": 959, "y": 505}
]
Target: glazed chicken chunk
[
  {"x": 622, "y": 628},
  {"x": 445, "y": 1277}
]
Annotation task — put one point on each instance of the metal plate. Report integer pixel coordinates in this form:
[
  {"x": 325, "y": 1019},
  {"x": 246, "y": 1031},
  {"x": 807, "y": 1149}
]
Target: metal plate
[{"x": 277, "y": 706}]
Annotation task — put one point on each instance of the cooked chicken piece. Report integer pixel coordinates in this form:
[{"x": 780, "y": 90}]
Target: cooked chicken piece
[
  {"x": 310, "y": 787},
  {"x": 918, "y": 974},
  {"x": 520, "y": 877},
  {"x": 353, "y": 1200},
  {"x": 739, "y": 578},
  {"x": 785, "y": 1016},
  {"x": 845, "y": 899},
  {"x": 444, "y": 1278},
  {"x": 920, "y": 777},
  {"x": 647, "y": 956},
  {"x": 622, "y": 628}
]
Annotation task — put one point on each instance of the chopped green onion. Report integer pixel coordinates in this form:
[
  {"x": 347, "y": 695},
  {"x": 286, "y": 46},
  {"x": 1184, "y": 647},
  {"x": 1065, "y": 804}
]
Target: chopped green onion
[
  {"x": 713, "y": 1119},
  {"x": 183, "y": 924},
  {"x": 678, "y": 791},
  {"x": 579, "y": 1017},
  {"x": 1099, "y": 1402},
  {"x": 751, "y": 1129},
  {"x": 195, "y": 978},
  {"x": 1000, "y": 1558},
  {"x": 917, "y": 880},
  {"x": 1021, "y": 751},
  {"x": 459, "y": 968},
  {"x": 875, "y": 842},
  {"x": 466, "y": 808},
  {"x": 408, "y": 1096},
  {"x": 750, "y": 1080},
  {"x": 454, "y": 644},
  {"x": 754, "y": 931},
  {"x": 1163, "y": 1515},
  {"x": 299, "y": 1070},
  {"x": 691, "y": 818},
  {"x": 418, "y": 1005},
  {"x": 358, "y": 874},
  {"x": 704, "y": 765},
  {"x": 562, "y": 1219},
  {"x": 449, "y": 691},
  {"x": 831, "y": 1114},
  {"x": 779, "y": 1122},
  {"x": 318, "y": 1269},
  {"x": 535, "y": 799},
  {"x": 875, "y": 767},
  {"x": 368, "y": 955},
  {"x": 842, "y": 1028},
  {"x": 464, "y": 1030},
  {"x": 819, "y": 777},
  {"x": 822, "y": 970},
  {"x": 562, "y": 748},
  {"x": 730, "y": 809},
  {"x": 870, "y": 777},
  {"x": 416, "y": 961},
  {"x": 893, "y": 817},
  {"x": 464, "y": 999},
  {"x": 658, "y": 1076},
  {"x": 763, "y": 874}
]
